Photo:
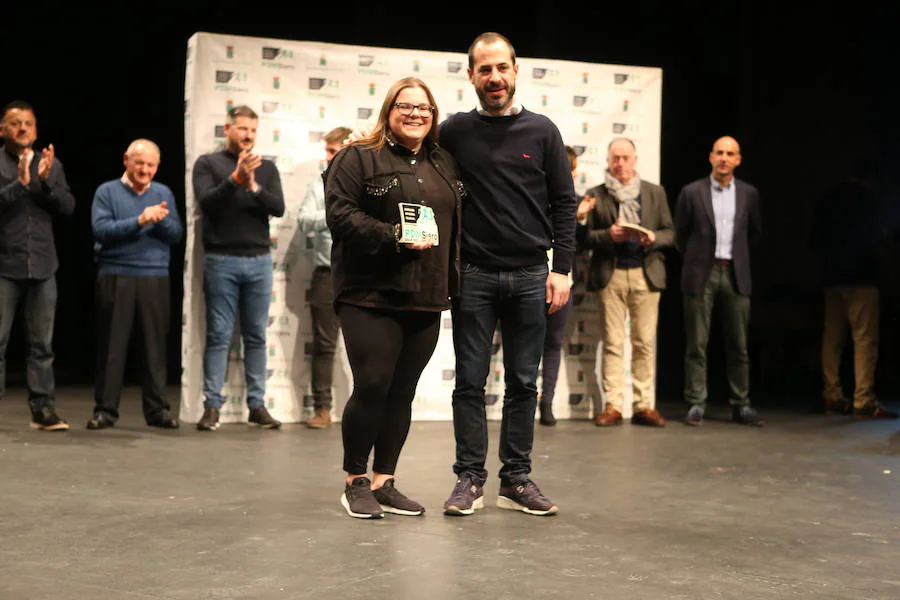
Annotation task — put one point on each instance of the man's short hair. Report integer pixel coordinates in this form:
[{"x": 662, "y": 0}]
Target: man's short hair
[
  {"x": 614, "y": 140},
  {"x": 16, "y": 105},
  {"x": 489, "y": 38},
  {"x": 338, "y": 134},
  {"x": 242, "y": 111}
]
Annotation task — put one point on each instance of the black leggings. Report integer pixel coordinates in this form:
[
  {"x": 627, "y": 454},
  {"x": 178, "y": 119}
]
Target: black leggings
[{"x": 387, "y": 350}]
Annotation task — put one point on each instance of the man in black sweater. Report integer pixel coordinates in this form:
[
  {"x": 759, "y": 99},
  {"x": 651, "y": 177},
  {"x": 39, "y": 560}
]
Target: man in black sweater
[
  {"x": 521, "y": 204},
  {"x": 238, "y": 192}
]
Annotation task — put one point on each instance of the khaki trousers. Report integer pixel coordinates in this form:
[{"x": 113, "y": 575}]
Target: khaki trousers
[
  {"x": 628, "y": 293},
  {"x": 856, "y": 305}
]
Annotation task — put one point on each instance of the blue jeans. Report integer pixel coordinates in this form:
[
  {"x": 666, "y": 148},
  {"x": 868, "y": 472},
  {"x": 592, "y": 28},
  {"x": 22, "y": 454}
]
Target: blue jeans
[
  {"x": 40, "y": 311},
  {"x": 236, "y": 285},
  {"x": 517, "y": 299}
]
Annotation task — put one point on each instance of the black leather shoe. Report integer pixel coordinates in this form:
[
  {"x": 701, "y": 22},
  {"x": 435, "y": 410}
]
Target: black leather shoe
[
  {"x": 547, "y": 417},
  {"x": 209, "y": 421},
  {"x": 164, "y": 421},
  {"x": 100, "y": 421},
  {"x": 841, "y": 406},
  {"x": 875, "y": 410}
]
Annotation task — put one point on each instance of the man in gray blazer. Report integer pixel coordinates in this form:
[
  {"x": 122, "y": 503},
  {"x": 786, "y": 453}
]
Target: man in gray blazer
[
  {"x": 628, "y": 267},
  {"x": 717, "y": 219}
]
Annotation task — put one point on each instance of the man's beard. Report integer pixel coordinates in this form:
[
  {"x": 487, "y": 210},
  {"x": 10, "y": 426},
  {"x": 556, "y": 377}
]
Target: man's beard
[{"x": 487, "y": 103}]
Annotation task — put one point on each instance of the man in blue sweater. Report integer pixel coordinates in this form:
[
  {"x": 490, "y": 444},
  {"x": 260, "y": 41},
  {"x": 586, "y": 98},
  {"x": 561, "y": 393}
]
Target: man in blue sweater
[
  {"x": 135, "y": 223},
  {"x": 521, "y": 204}
]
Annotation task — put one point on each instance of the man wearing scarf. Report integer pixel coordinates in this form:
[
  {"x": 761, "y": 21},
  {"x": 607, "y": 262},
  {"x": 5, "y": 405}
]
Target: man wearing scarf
[{"x": 628, "y": 268}]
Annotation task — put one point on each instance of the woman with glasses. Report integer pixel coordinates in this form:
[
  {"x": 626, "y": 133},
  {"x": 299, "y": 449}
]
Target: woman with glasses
[{"x": 393, "y": 202}]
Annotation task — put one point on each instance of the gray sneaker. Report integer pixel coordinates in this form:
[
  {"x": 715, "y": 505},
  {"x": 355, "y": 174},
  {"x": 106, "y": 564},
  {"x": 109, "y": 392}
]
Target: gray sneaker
[
  {"x": 392, "y": 501},
  {"x": 526, "y": 497},
  {"x": 467, "y": 497},
  {"x": 358, "y": 500}
]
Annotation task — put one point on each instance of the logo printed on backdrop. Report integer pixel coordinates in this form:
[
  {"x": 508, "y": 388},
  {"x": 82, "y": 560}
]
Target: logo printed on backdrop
[
  {"x": 459, "y": 95},
  {"x": 363, "y": 113},
  {"x": 629, "y": 128},
  {"x": 276, "y": 82},
  {"x": 371, "y": 89},
  {"x": 544, "y": 100},
  {"x": 491, "y": 399},
  {"x": 545, "y": 77},
  {"x": 454, "y": 66},
  {"x": 369, "y": 65},
  {"x": 229, "y": 51},
  {"x": 219, "y": 131},
  {"x": 319, "y": 83},
  {"x": 416, "y": 66},
  {"x": 584, "y": 128},
  {"x": 276, "y": 135},
  {"x": 625, "y": 106},
  {"x": 273, "y": 57},
  {"x": 584, "y": 78},
  {"x": 226, "y": 80},
  {"x": 229, "y": 105},
  {"x": 270, "y": 106},
  {"x": 316, "y": 136},
  {"x": 323, "y": 61}
]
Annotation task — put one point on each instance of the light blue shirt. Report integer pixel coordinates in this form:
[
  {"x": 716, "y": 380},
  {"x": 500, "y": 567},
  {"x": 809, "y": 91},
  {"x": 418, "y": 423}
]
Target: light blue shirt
[
  {"x": 312, "y": 222},
  {"x": 723, "y": 203}
]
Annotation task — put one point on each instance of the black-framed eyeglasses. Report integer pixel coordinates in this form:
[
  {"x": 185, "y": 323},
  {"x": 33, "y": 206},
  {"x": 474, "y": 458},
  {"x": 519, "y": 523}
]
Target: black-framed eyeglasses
[{"x": 406, "y": 108}]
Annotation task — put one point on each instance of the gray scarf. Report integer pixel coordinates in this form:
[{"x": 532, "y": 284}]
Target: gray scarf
[{"x": 626, "y": 195}]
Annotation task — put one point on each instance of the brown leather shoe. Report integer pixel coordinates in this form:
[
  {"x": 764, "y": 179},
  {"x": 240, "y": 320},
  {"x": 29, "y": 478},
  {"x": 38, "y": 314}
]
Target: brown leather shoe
[
  {"x": 609, "y": 416},
  {"x": 649, "y": 417},
  {"x": 321, "y": 419}
]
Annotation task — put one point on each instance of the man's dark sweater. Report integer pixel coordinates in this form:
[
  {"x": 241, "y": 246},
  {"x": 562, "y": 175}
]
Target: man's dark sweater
[
  {"x": 235, "y": 220},
  {"x": 521, "y": 197}
]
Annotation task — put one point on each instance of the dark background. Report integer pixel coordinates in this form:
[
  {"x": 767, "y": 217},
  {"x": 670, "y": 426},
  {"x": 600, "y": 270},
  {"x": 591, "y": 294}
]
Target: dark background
[{"x": 805, "y": 91}]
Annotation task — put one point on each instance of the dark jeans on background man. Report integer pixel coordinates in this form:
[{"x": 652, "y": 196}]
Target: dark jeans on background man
[
  {"x": 387, "y": 351},
  {"x": 122, "y": 300},
  {"x": 39, "y": 312},
  {"x": 517, "y": 298},
  {"x": 735, "y": 313},
  {"x": 325, "y": 328},
  {"x": 553, "y": 343},
  {"x": 236, "y": 286}
]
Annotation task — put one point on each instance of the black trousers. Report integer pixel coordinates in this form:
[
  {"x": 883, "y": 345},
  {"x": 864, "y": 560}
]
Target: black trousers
[
  {"x": 387, "y": 351},
  {"x": 121, "y": 301},
  {"x": 325, "y": 328}
]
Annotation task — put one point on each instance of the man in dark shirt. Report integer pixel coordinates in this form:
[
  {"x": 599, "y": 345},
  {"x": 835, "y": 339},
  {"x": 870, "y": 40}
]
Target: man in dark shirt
[
  {"x": 522, "y": 203},
  {"x": 238, "y": 192},
  {"x": 32, "y": 189}
]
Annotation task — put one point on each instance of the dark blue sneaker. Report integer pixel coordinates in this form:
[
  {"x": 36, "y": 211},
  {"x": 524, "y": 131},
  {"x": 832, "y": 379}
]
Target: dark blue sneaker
[
  {"x": 392, "y": 501},
  {"x": 359, "y": 501},
  {"x": 467, "y": 497},
  {"x": 526, "y": 497}
]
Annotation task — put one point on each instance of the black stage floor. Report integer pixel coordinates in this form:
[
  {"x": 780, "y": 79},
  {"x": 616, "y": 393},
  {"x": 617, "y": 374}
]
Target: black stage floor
[{"x": 807, "y": 507}]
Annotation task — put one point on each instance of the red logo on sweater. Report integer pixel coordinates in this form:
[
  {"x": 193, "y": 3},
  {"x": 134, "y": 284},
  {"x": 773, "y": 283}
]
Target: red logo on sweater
[{"x": 526, "y": 155}]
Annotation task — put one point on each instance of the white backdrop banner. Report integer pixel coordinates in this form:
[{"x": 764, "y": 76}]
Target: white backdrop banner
[{"x": 301, "y": 90}]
